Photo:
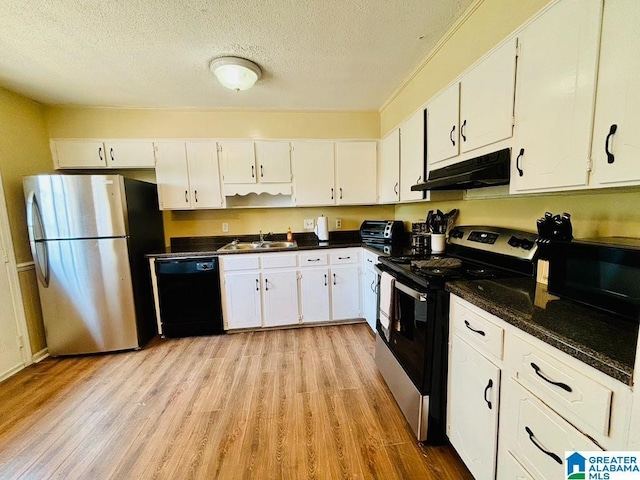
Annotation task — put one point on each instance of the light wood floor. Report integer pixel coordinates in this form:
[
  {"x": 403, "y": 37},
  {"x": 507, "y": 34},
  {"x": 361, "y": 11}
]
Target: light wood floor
[{"x": 286, "y": 404}]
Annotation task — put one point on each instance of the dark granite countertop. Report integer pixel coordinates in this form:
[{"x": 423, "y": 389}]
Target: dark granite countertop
[
  {"x": 208, "y": 246},
  {"x": 601, "y": 340}
]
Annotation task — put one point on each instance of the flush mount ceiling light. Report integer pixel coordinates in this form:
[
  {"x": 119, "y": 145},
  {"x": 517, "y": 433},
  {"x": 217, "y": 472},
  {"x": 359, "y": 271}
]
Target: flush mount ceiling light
[{"x": 235, "y": 73}]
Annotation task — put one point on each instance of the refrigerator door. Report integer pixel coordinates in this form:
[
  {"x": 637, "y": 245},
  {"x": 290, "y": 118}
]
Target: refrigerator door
[
  {"x": 76, "y": 206},
  {"x": 88, "y": 302}
]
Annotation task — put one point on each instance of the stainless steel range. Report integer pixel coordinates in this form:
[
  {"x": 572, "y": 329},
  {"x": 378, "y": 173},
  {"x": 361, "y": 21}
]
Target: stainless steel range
[{"x": 412, "y": 325}]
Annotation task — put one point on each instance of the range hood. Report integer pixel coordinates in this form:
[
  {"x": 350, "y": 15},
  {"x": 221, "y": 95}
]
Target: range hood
[{"x": 484, "y": 171}]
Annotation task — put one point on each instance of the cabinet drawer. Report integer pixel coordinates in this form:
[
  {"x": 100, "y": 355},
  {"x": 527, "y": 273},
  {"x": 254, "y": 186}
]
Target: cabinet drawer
[
  {"x": 313, "y": 259},
  {"x": 510, "y": 469},
  {"x": 573, "y": 394},
  {"x": 341, "y": 256},
  {"x": 540, "y": 437},
  {"x": 279, "y": 260},
  {"x": 480, "y": 332},
  {"x": 240, "y": 262}
]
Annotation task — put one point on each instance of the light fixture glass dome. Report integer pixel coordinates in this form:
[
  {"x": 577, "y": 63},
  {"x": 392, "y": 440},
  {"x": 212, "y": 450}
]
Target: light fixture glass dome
[{"x": 235, "y": 73}]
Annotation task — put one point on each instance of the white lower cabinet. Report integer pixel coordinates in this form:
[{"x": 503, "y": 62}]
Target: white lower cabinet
[
  {"x": 369, "y": 288},
  {"x": 286, "y": 288},
  {"x": 474, "y": 387},
  {"x": 280, "y": 293},
  {"x": 241, "y": 305},
  {"x": 544, "y": 401}
]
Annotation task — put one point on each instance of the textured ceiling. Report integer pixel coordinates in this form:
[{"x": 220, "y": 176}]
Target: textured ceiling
[{"x": 315, "y": 54}]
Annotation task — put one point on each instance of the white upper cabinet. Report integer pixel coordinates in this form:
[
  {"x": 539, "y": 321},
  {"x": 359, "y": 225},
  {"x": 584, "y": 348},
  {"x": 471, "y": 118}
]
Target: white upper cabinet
[
  {"x": 273, "y": 162},
  {"x": 412, "y": 159},
  {"x": 616, "y": 137},
  {"x": 237, "y": 162},
  {"x": 555, "y": 89},
  {"x": 389, "y": 168},
  {"x": 486, "y": 99},
  {"x": 356, "y": 173},
  {"x": 443, "y": 115},
  {"x": 187, "y": 175},
  {"x": 204, "y": 175},
  {"x": 313, "y": 168},
  {"x": 102, "y": 153}
]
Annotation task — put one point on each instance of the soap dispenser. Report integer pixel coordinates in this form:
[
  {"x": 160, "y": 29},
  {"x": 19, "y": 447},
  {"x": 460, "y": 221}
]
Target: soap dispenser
[{"x": 289, "y": 235}]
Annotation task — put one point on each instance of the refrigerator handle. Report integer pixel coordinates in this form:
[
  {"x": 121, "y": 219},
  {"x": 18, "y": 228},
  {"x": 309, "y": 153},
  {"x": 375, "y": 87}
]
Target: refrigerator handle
[{"x": 34, "y": 217}]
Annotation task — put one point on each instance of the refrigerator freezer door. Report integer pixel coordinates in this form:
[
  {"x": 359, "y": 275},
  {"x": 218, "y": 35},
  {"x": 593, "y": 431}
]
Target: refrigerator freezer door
[
  {"x": 88, "y": 304},
  {"x": 77, "y": 206}
]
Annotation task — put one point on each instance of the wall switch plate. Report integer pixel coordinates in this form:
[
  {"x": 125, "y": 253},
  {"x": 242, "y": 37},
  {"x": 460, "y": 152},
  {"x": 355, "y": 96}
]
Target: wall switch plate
[
  {"x": 225, "y": 227},
  {"x": 308, "y": 223},
  {"x": 338, "y": 223}
]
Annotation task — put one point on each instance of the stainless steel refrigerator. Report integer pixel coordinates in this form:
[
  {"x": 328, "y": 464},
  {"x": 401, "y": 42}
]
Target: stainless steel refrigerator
[{"x": 89, "y": 235}]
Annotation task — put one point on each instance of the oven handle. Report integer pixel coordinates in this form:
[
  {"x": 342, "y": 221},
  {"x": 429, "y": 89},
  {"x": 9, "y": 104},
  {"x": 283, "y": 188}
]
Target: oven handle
[{"x": 403, "y": 288}]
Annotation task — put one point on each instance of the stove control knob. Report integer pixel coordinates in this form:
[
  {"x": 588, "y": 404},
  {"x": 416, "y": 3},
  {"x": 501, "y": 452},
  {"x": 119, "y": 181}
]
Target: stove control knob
[
  {"x": 514, "y": 241},
  {"x": 526, "y": 244}
]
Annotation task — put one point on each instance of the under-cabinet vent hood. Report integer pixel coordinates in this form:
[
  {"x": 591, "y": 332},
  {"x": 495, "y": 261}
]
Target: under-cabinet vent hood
[{"x": 485, "y": 171}]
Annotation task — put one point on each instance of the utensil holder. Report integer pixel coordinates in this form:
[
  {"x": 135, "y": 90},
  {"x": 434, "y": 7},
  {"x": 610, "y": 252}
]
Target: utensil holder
[{"x": 438, "y": 242}]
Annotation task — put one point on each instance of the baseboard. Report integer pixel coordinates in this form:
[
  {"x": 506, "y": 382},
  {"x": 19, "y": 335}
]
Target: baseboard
[
  {"x": 39, "y": 356},
  {"x": 11, "y": 372}
]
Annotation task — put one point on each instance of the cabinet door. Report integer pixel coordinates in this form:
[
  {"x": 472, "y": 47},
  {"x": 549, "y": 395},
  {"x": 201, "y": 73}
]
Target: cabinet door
[
  {"x": 345, "y": 292},
  {"x": 472, "y": 417},
  {"x": 618, "y": 98},
  {"x": 486, "y": 99},
  {"x": 78, "y": 153},
  {"x": 241, "y": 303},
  {"x": 280, "y": 290},
  {"x": 370, "y": 296},
  {"x": 356, "y": 173},
  {"x": 314, "y": 295},
  {"x": 129, "y": 154},
  {"x": 412, "y": 159},
  {"x": 273, "y": 162},
  {"x": 555, "y": 90},
  {"x": 389, "y": 168},
  {"x": 204, "y": 176},
  {"x": 237, "y": 162},
  {"x": 314, "y": 179},
  {"x": 442, "y": 126},
  {"x": 172, "y": 176}
]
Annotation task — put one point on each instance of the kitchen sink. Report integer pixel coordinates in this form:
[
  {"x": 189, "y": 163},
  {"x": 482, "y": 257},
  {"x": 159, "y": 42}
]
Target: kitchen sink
[{"x": 257, "y": 246}]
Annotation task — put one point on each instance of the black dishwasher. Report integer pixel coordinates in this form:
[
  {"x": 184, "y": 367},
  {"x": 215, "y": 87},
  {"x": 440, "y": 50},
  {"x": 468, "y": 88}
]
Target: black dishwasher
[{"x": 189, "y": 296}]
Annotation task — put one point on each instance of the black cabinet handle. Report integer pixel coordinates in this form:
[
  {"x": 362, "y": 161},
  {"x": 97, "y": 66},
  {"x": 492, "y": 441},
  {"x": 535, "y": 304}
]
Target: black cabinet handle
[
  {"x": 313, "y": 259},
  {"x": 195, "y": 195},
  {"x": 266, "y": 285},
  {"x": 332, "y": 194},
  {"x": 257, "y": 285},
  {"x": 612, "y": 131},
  {"x": 100, "y": 153},
  {"x": 419, "y": 179},
  {"x": 479, "y": 332},
  {"x": 520, "y": 171},
  {"x": 325, "y": 279},
  {"x": 334, "y": 278},
  {"x": 453, "y": 129},
  {"x": 395, "y": 188},
  {"x": 186, "y": 196},
  {"x": 253, "y": 170},
  {"x": 563, "y": 386},
  {"x": 261, "y": 172},
  {"x": 340, "y": 193},
  {"x": 532, "y": 437},
  {"x": 464, "y": 124},
  {"x": 344, "y": 258},
  {"x": 486, "y": 389},
  {"x": 111, "y": 155}
]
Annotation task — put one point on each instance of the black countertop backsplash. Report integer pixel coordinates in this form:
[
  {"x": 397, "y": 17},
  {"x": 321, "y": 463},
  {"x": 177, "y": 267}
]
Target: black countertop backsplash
[{"x": 601, "y": 340}]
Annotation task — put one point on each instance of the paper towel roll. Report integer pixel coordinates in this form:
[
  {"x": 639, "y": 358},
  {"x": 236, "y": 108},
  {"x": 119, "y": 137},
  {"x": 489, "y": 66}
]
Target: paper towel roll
[{"x": 322, "y": 229}]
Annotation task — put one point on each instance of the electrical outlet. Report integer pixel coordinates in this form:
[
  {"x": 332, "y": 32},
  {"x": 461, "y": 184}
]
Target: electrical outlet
[
  {"x": 338, "y": 223},
  {"x": 308, "y": 223},
  {"x": 225, "y": 227}
]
